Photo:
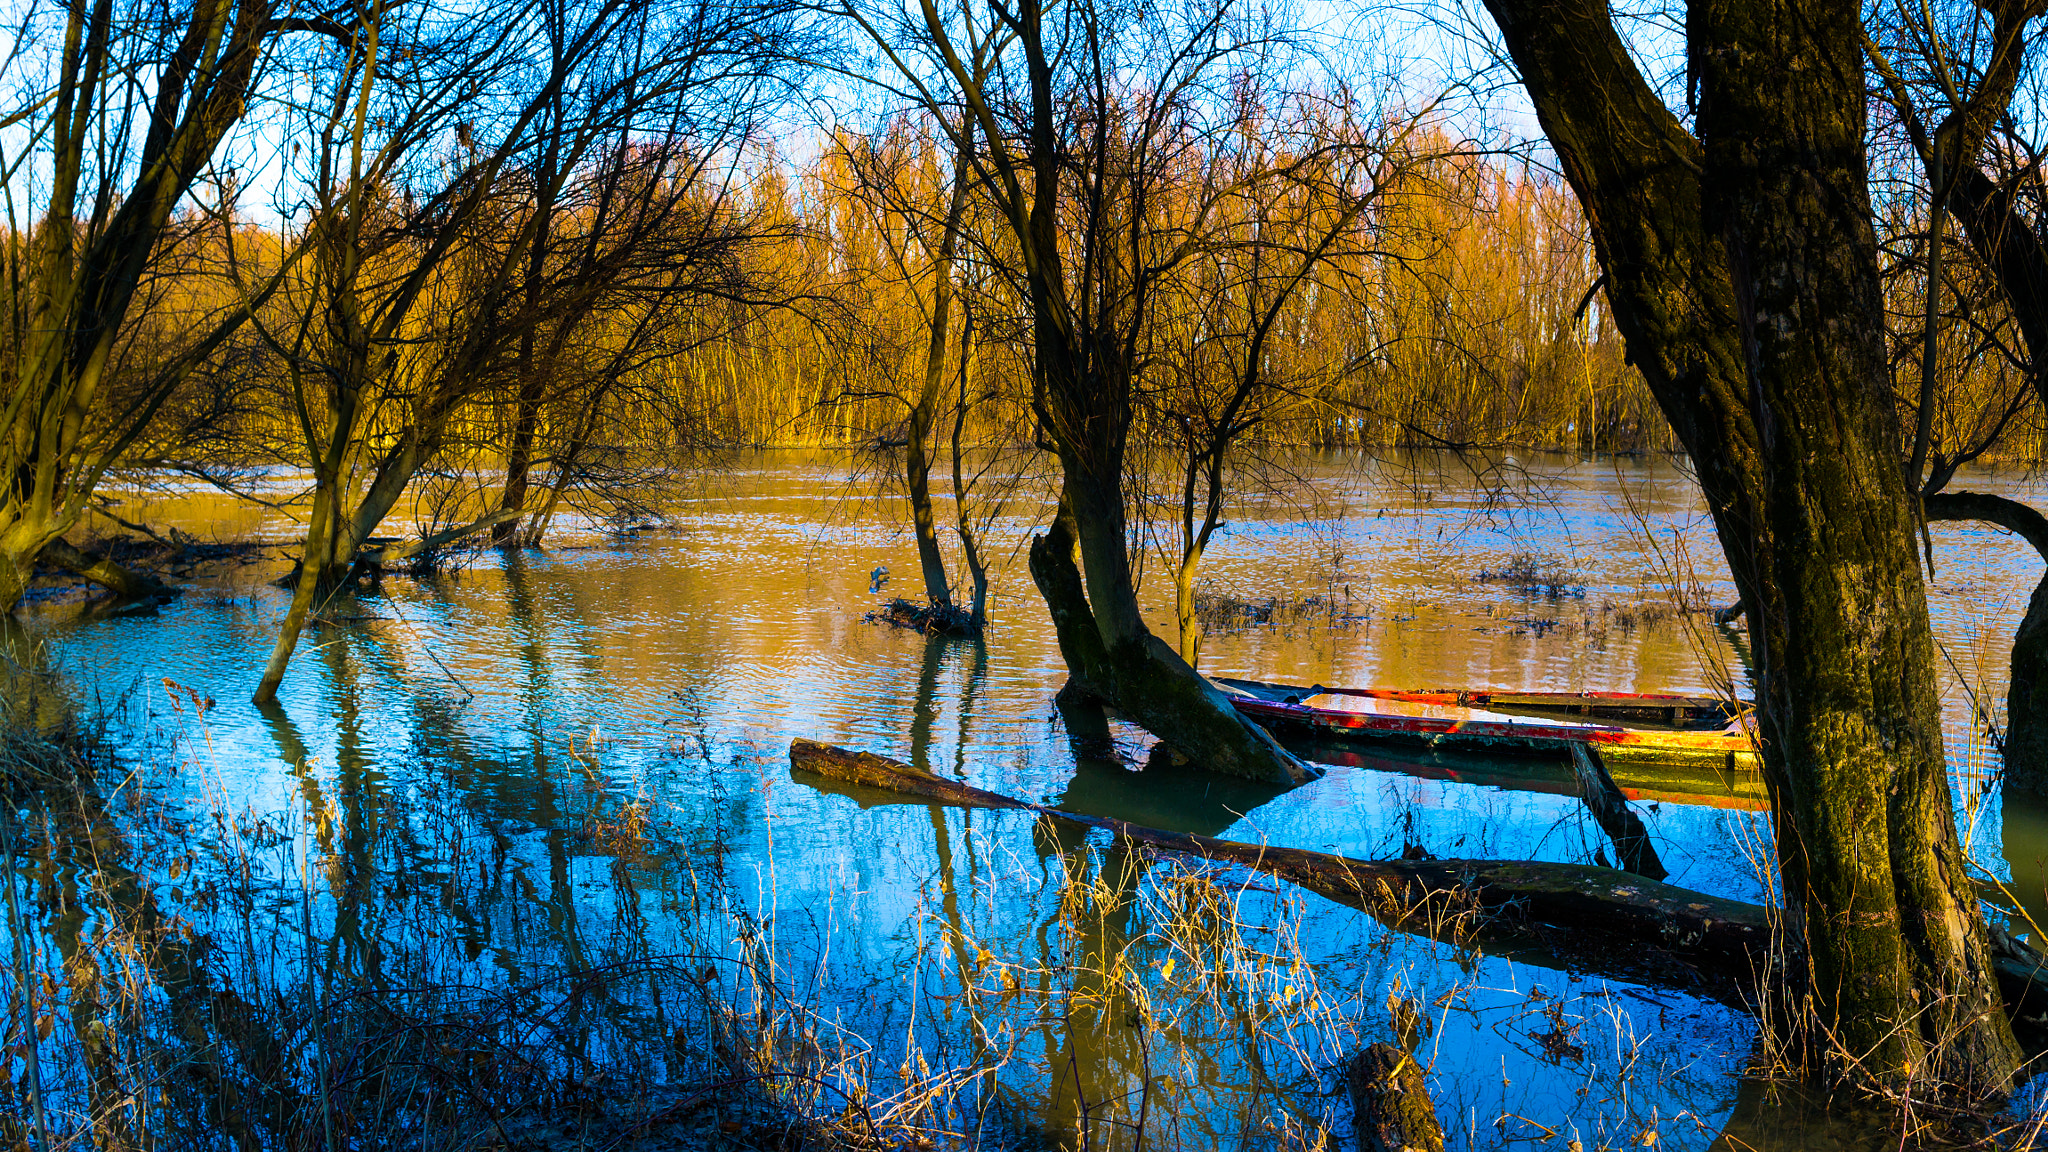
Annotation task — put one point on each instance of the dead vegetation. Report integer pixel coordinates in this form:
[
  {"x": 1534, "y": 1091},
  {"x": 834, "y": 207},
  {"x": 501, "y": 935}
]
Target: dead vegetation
[
  {"x": 925, "y": 618},
  {"x": 1225, "y": 613},
  {"x": 1537, "y": 574}
]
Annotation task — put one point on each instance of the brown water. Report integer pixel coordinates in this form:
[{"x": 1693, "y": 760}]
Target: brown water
[{"x": 477, "y": 720}]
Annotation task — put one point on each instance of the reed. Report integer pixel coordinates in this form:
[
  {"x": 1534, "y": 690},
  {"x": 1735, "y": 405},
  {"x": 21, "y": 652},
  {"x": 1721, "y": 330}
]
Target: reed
[{"x": 424, "y": 992}]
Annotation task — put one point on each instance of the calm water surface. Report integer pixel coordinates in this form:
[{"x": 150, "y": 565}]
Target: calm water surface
[{"x": 492, "y": 711}]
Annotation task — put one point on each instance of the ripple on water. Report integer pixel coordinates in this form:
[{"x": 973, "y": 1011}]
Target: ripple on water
[{"x": 677, "y": 665}]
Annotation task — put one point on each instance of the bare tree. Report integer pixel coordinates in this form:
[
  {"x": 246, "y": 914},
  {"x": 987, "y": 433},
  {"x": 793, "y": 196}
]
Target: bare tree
[
  {"x": 1734, "y": 228},
  {"x": 1086, "y": 124},
  {"x": 119, "y": 110},
  {"x": 419, "y": 301}
]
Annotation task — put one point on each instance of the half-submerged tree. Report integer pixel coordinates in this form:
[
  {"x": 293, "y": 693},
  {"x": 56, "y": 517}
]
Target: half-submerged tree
[
  {"x": 1088, "y": 153},
  {"x": 908, "y": 200},
  {"x": 1743, "y": 271}
]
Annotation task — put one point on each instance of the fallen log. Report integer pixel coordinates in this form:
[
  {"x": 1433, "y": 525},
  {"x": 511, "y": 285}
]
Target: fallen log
[
  {"x": 1562, "y": 915},
  {"x": 891, "y": 775},
  {"x": 1576, "y": 917},
  {"x": 125, "y": 583}
]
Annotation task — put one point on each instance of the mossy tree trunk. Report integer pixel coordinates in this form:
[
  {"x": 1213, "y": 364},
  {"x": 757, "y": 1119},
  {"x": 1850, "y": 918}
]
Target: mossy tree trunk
[{"x": 1743, "y": 272}]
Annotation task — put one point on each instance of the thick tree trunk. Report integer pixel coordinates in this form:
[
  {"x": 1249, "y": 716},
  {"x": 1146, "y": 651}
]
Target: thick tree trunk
[
  {"x": 21, "y": 543},
  {"x": 2026, "y": 700},
  {"x": 1143, "y": 678},
  {"x": 1743, "y": 273}
]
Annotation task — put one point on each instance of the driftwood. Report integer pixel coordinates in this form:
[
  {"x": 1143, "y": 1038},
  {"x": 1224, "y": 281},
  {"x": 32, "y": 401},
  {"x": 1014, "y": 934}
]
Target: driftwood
[
  {"x": 1390, "y": 1103},
  {"x": 1578, "y": 917},
  {"x": 1632, "y": 848}
]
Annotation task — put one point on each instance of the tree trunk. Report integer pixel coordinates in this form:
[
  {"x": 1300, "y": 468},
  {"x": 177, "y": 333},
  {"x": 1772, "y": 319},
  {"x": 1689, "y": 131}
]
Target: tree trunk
[
  {"x": 1743, "y": 273},
  {"x": 315, "y": 559},
  {"x": 22, "y": 542},
  {"x": 533, "y": 373},
  {"x": 519, "y": 458},
  {"x": 917, "y": 455},
  {"x": 2026, "y": 700},
  {"x": 970, "y": 546},
  {"x": 1184, "y": 607},
  {"x": 1124, "y": 665}
]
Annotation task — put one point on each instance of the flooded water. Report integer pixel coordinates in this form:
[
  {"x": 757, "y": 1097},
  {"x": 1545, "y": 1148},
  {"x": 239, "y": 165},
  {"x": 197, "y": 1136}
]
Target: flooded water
[{"x": 453, "y": 760}]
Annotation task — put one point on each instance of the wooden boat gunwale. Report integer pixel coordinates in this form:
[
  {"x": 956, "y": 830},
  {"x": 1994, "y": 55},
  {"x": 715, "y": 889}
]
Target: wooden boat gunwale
[{"x": 1730, "y": 745}]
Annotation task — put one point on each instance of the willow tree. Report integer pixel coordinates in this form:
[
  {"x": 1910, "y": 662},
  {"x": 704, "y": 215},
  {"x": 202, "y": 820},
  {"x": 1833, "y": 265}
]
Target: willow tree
[
  {"x": 1743, "y": 271},
  {"x": 434, "y": 270}
]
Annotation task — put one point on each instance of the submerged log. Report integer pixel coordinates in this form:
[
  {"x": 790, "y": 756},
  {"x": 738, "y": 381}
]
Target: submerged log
[
  {"x": 1580, "y": 917},
  {"x": 1575, "y": 915},
  {"x": 891, "y": 775},
  {"x": 1390, "y": 1103}
]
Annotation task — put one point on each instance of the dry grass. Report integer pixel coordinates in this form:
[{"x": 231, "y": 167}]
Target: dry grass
[{"x": 241, "y": 989}]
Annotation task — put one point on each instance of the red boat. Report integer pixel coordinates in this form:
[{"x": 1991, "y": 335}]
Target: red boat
[{"x": 1628, "y": 729}]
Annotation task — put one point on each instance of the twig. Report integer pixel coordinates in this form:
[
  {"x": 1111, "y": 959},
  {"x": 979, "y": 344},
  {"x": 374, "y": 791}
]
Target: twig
[
  {"x": 429, "y": 650},
  {"x": 31, "y": 1040}
]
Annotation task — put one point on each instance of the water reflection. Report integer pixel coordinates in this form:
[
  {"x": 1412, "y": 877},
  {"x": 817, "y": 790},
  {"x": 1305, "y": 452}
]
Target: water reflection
[{"x": 467, "y": 757}]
